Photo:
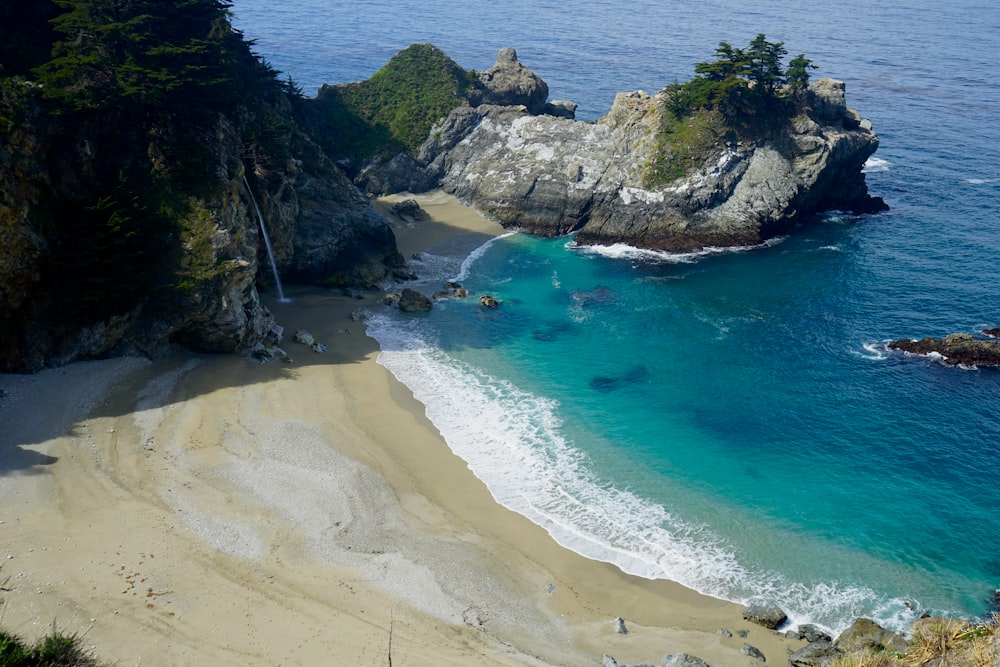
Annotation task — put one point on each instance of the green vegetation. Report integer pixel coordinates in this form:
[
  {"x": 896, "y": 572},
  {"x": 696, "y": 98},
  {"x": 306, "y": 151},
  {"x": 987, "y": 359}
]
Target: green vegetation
[
  {"x": 938, "y": 641},
  {"x": 394, "y": 110},
  {"x": 53, "y": 650},
  {"x": 742, "y": 94},
  {"x": 117, "y": 115}
]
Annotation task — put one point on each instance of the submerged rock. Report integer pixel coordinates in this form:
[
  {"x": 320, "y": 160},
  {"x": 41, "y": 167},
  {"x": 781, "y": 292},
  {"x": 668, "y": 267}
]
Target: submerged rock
[
  {"x": 954, "y": 349},
  {"x": 489, "y": 301}
]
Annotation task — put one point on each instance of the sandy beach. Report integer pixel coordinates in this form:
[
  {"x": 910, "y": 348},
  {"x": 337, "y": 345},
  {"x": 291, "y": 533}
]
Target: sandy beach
[{"x": 202, "y": 510}]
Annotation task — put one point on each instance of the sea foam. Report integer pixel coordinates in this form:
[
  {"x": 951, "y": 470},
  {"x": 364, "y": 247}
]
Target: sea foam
[
  {"x": 515, "y": 442},
  {"x": 627, "y": 252}
]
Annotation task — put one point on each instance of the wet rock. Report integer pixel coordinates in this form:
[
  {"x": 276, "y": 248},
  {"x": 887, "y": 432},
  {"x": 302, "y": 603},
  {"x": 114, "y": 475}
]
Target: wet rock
[
  {"x": 992, "y": 333},
  {"x": 811, "y": 633},
  {"x": 955, "y": 349},
  {"x": 766, "y": 613},
  {"x": 488, "y": 301},
  {"x": 412, "y": 301}
]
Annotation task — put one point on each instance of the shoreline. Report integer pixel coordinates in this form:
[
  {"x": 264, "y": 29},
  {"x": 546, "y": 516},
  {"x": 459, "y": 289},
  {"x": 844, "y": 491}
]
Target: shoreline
[{"x": 210, "y": 509}]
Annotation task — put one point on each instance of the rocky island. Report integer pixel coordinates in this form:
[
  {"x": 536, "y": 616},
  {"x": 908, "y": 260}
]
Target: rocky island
[{"x": 746, "y": 177}]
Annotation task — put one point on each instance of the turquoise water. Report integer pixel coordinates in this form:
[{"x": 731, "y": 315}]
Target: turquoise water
[{"x": 731, "y": 421}]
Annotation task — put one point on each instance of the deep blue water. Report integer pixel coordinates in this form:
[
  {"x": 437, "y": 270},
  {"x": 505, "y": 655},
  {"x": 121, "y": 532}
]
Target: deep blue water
[{"x": 730, "y": 421}]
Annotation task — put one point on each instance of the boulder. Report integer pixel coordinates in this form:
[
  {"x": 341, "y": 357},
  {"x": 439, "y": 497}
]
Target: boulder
[
  {"x": 811, "y": 633},
  {"x": 820, "y": 653},
  {"x": 620, "y": 626},
  {"x": 865, "y": 634},
  {"x": 954, "y": 349},
  {"x": 992, "y": 333},
  {"x": 766, "y": 613},
  {"x": 561, "y": 109},
  {"x": 406, "y": 209},
  {"x": 489, "y": 301},
  {"x": 509, "y": 83},
  {"x": 753, "y": 652},
  {"x": 412, "y": 301}
]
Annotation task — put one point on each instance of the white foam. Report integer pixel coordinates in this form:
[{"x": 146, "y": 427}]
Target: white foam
[
  {"x": 875, "y": 165},
  {"x": 834, "y": 248},
  {"x": 624, "y": 251},
  {"x": 873, "y": 351},
  {"x": 513, "y": 441},
  {"x": 475, "y": 255},
  {"x": 980, "y": 181}
]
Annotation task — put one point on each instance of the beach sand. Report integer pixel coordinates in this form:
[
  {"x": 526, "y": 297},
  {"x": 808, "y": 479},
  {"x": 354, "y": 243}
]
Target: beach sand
[{"x": 202, "y": 510}]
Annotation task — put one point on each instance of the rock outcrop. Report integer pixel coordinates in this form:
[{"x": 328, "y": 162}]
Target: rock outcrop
[
  {"x": 509, "y": 83},
  {"x": 527, "y": 165},
  {"x": 954, "y": 349}
]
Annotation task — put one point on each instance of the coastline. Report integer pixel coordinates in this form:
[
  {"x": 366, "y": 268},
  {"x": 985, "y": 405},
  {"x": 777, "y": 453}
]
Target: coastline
[{"x": 210, "y": 509}]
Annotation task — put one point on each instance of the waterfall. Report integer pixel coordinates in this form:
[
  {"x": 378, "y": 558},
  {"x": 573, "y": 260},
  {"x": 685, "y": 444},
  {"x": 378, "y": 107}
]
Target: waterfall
[{"x": 267, "y": 242}]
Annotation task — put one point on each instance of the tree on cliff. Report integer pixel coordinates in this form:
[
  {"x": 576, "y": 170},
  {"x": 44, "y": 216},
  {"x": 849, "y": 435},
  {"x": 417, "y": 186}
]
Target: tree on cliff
[
  {"x": 741, "y": 82},
  {"x": 151, "y": 53},
  {"x": 746, "y": 92}
]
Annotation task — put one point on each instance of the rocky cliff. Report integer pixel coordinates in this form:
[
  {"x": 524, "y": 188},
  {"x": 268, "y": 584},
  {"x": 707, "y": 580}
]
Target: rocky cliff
[
  {"x": 531, "y": 166},
  {"x": 75, "y": 284}
]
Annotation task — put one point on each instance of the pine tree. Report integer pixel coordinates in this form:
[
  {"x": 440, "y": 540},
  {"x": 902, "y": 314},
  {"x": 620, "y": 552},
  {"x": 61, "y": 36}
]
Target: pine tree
[{"x": 151, "y": 53}]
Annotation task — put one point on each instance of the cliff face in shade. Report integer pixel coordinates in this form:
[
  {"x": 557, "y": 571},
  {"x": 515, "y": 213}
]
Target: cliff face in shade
[{"x": 202, "y": 277}]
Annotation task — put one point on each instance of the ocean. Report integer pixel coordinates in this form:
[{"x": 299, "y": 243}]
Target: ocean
[{"x": 729, "y": 420}]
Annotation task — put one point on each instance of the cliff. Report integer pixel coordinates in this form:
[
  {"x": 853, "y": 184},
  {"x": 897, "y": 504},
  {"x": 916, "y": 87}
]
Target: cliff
[
  {"x": 531, "y": 166},
  {"x": 126, "y": 222}
]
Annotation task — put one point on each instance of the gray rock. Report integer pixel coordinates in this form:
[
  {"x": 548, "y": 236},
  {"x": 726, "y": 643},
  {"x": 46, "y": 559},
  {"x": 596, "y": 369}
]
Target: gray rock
[
  {"x": 811, "y": 633},
  {"x": 561, "y": 109},
  {"x": 766, "y": 613},
  {"x": 547, "y": 176},
  {"x": 489, "y": 301},
  {"x": 682, "y": 660},
  {"x": 620, "y": 626},
  {"x": 828, "y": 99},
  {"x": 753, "y": 652},
  {"x": 509, "y": 83},
  {"x": 821, "y": 653},
  {"x": 412, "y": 301},
  {"x": 725, "y": 633},
  {"x": 865, "y": 634}
]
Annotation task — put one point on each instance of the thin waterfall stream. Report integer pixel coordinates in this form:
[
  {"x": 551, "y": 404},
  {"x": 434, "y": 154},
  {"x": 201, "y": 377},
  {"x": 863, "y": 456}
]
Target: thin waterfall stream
[{"x": 267, "y": 242}]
